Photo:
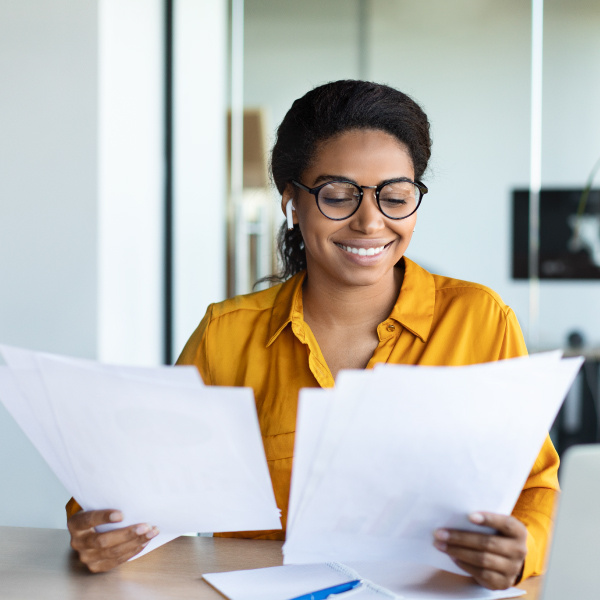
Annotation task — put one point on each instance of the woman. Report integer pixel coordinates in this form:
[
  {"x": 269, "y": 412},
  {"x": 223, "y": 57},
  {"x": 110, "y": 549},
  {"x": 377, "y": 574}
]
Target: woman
[{"x": 348, "y": 159}]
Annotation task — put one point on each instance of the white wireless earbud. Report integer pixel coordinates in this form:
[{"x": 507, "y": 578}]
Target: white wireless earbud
[{"x": 289, "y": 207}]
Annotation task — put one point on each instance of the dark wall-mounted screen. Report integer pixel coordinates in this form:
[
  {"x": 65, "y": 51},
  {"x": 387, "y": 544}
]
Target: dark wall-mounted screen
[{"x": 569, "y": 246}]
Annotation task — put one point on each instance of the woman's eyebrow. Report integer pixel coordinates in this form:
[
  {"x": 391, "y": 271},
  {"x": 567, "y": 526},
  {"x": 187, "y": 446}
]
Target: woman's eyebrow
[{"x": 324, "y": 178}]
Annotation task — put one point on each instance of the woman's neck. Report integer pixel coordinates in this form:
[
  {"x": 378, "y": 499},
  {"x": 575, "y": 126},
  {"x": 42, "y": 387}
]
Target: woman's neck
[{"x": 331, "y": 305}]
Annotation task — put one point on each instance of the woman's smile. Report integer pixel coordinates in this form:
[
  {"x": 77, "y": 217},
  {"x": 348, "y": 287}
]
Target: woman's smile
[{"x": 363, "y": 248}]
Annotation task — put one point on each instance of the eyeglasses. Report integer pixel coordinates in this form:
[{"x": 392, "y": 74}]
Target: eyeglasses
[{"x": 339, "y": 200}]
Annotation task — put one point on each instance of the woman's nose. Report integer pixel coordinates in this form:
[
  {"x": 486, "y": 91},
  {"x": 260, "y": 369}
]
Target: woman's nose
[{"x": 368, "y": 218}]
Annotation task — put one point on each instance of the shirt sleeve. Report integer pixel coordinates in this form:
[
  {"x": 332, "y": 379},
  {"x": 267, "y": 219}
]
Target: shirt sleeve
[
  {"x": 195, "y": 352},
  {"x": 535, "y": 506},
  {"x": 72, "y": 507}
]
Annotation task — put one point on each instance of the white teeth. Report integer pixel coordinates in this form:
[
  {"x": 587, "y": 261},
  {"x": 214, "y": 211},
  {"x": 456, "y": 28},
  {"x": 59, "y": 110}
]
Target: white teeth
[{"x": 362, "y": 251}]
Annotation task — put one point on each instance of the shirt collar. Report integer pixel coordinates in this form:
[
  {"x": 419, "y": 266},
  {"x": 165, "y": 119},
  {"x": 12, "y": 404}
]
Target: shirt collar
[
  {"x": 416, "y": 301},
  {"x": 413, "y": 309},
  {"x": 287, "y": 306}
]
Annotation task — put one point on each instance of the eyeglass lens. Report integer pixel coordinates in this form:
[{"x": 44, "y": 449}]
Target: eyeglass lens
[{"x": 339, "y": 200}]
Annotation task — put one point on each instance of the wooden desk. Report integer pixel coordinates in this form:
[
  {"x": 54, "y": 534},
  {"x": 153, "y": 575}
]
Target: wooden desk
[{"x": 38, "y": 563}]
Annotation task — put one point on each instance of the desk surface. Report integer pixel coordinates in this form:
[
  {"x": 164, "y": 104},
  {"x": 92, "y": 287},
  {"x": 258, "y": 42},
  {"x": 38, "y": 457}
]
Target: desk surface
[{"x": 38, "y": 563}]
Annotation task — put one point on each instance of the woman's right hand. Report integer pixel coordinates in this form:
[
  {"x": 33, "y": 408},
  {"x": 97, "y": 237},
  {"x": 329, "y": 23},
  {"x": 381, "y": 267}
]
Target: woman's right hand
[{"x": 104, "y": 551}]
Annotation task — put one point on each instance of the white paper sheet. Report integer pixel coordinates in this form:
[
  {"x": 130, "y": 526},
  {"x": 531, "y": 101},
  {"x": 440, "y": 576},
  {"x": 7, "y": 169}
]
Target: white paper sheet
[
  {"x": 410, "y": 449},
  {"x": 22, "y": 358},
  {"x": 311, "y": 418},
  {"x": 176, "y": 450},
  {"x": 154, "y": 443},
  {"x": 23, "y": 394},
  {"x": 380, "y": 581},
  {"x": 278, "y": 583}
]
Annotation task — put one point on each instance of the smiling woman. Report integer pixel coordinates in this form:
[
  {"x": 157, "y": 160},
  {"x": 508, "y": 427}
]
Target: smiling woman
[{"x": 349, "y": 158}]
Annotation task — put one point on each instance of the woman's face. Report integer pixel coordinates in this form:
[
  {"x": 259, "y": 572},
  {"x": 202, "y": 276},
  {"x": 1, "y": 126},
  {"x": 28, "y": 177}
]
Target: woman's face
[{"x": 368, "y": 158}]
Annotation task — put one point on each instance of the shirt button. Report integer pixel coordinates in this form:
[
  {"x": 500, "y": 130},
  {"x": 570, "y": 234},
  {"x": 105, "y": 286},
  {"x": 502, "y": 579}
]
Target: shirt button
[{"x": 391, "y": 327}]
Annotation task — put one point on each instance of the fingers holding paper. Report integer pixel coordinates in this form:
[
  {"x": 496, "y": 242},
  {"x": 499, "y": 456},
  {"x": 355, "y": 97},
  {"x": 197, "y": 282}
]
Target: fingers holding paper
[
  {"x": 104, "y": 551},
  {"x": 494, "y": 560}
]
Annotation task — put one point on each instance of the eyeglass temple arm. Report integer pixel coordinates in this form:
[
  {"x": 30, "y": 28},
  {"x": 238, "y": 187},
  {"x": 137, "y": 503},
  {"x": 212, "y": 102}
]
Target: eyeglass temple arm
[{"x": 298, "y": 184}]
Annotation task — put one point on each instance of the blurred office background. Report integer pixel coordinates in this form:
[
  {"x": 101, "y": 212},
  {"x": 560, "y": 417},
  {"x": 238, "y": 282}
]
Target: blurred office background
[{"x": 125, "y": 208}]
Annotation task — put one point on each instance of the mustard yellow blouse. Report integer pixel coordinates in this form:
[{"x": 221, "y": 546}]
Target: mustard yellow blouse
[{"x": 261, "y": 341}]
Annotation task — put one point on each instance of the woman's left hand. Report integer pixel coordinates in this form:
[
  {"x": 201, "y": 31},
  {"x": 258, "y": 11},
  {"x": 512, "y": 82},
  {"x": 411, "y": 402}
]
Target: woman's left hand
[{"x": 494, "y": 560}]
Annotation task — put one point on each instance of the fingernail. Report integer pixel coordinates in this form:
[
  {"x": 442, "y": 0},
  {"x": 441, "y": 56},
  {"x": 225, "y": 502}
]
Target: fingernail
[
  {"x": 141, "y": 529},
  {"x": 115, "y": 516},
  {"x": 153, "y": 533},
  {"x": 442, "y": 535},
  {"x": 476, "y": 518},
  {"x": 440, "y": 546}
]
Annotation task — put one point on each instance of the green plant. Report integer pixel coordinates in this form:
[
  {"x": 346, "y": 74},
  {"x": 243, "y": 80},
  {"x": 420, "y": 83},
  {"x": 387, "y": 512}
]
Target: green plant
[{"x": 584, "y": 198}]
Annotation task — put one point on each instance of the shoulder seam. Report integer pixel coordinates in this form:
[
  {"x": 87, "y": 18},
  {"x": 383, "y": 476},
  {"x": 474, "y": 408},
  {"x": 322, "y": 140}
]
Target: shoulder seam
[
  {"x": 481, "y": 288},
  {"x": 239, "y": 308}
]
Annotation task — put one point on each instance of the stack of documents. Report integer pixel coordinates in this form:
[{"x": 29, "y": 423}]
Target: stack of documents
[
  {"x": 154, "y": 443},
  {"x": 376, "y": 581},
  {"x": 390, "y": 455}
]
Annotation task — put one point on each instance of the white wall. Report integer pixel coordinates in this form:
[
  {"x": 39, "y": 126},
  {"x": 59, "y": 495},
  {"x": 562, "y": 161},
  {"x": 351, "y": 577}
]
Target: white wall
[
  {"x": 48, "y": 177},
  {"x": 48, "y": 204},
  {"x": 468, "y": 63}
]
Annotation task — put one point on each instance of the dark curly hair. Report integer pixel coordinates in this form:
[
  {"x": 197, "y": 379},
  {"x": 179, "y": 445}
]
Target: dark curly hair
[{"x": 327, "y": 111}]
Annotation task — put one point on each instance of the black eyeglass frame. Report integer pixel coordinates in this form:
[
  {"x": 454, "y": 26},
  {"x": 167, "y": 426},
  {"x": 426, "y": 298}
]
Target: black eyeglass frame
[{"x": 315, "y": 192}]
